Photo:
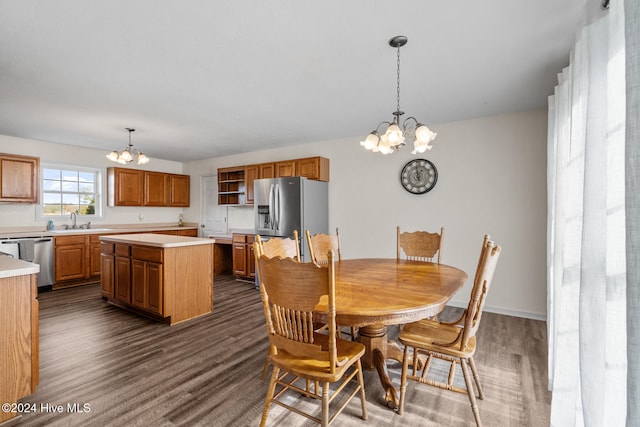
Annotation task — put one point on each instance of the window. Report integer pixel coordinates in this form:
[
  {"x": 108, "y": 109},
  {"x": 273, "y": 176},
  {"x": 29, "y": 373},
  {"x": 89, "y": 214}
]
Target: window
[{"x": 70, "y": 189}]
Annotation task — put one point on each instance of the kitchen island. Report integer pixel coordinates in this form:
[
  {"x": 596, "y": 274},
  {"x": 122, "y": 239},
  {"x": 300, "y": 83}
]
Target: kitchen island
[
  {"x": 164, "y": 277},
  {"x": 18, "y": 333}
]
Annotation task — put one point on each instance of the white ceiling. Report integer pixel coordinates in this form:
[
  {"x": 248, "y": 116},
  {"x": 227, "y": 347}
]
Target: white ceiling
[{"x": 204, "y": 78}]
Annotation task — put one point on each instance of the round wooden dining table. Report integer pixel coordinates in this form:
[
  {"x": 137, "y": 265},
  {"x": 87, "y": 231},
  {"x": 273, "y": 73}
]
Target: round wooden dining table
[{"x": 372, "y": 293}]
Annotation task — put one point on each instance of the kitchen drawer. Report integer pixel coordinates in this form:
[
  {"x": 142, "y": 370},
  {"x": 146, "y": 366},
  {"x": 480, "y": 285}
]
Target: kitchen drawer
[
  {"x": 123, "y": 250},
  {"x": 70, "y": 240},
  {"x": 107, "y": 248},
  {"x": 95, "y": 238},
  {"x": 146, "y": 253},
  {"x": 239, "y": 238},
  {"x": 243, "y": 238}
]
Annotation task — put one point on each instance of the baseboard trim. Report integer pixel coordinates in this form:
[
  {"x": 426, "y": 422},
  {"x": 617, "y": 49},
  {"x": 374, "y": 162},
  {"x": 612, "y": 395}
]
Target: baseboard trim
[{"x": 505, "y": 311}]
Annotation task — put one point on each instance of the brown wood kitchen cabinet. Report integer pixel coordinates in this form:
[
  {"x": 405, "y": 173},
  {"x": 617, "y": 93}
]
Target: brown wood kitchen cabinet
[
  {"x": 267, "y": 170},
  {"x": 79, "y": 258},
  {"x": 173, "y": 282},
  {"x": 285, "y": 168},
  {"x": 133, "y": 187},
  {"x": 19, "y": 179},
  {"x": 125, "y": 187},
  {"x": 19, "y": 359},
  {"x": 156, "y": 189},
  {"x": 94, "y": 255},
  {"x": 316, "y": 168},
  {"x": 179, "y": 190},
  {"x": 122, "y": 273},
  {"x": 251, "y": 173},
  {"x": 243, "y": 255},
  {"x": 71, "y": 255},
  {"x": 146, "y": 278},
  {"x": 107, "y": 269},
  {"x": 231, "y": 186},
  {"x": 235, "y": 184}
]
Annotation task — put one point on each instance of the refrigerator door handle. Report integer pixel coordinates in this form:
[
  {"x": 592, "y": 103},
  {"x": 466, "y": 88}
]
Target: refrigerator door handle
[
  {"x": 271, "y": 206},
  {"x": 277, "y": 206}
]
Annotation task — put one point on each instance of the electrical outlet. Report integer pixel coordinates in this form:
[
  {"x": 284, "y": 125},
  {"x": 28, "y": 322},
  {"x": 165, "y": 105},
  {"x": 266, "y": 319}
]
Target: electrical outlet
[{"x": 140, "y": 217}]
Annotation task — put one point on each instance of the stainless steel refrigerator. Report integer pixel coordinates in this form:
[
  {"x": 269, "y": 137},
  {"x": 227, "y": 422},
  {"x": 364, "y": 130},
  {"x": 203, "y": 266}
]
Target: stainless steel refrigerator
[{"x": 282, "y": 205}]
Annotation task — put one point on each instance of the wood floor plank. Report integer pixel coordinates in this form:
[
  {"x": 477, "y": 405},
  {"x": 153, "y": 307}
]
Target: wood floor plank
[{"x": 206, "y": 372}]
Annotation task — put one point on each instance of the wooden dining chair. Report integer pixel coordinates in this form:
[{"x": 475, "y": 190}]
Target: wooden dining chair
[
  {"x": 291, "y": 293},
  {"x": 279, "y": 247},
  {"x": 420, "y": 245},
  {"x": 453, "y": 342},
  {"x": 320, "y": 244}
]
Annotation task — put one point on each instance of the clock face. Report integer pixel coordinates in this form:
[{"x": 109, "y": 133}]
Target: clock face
[{"x": 419, "y": 176}]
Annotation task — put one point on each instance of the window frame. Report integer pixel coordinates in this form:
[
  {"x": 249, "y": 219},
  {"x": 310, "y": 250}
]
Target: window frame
[{"x": 98, "y": 191}]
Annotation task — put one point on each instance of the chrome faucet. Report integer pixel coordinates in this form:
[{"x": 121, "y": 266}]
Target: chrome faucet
[{"x": 74, "y": 219}]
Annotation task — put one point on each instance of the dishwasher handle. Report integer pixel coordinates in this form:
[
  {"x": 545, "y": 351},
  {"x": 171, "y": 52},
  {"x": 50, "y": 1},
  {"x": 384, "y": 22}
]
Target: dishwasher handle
[{"x": 43, "y": 240}]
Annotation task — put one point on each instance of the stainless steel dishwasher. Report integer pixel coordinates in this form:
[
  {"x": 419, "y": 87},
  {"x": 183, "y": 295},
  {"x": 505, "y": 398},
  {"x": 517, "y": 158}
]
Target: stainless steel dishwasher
[{"x": 42, "y": 254}]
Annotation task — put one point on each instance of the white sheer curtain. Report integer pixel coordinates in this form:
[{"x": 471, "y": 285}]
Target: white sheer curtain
[
  {"x": 632, "y": 167},
  {"x": 587, "y": 305}
]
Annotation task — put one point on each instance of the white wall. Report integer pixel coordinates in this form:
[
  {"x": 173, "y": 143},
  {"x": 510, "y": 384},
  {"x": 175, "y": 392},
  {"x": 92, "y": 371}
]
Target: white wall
[
  {"x": 491, "y": 179},
  {"x": 17, "y": 215}
]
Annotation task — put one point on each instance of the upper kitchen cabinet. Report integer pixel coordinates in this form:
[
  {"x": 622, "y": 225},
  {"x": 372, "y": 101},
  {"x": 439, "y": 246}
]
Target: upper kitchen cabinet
[
  {"x": 179, "y": 190},
  {"x": 19, "y": 179},
  {"x": 235, "y": 184},
  {"x": 132, "y": 187},
  {"x": 267, "y": 170},
  {"x": 125, "y": 187},
  {"x": 285, "y": 168},
  {"x": 313, "y": 168},
  {"x": 231, "y": 186},
  {"x": 251, "y": 173},
  {"x": 156, "y": 189}
]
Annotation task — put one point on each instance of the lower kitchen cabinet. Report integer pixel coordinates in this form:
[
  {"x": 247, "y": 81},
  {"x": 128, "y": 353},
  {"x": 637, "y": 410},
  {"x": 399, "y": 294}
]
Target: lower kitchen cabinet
[
  {"x": 107, "y": 268},
  {"x": 243, "y": 255},
  {"x": 122, "y": 286},
  {"x": 173, "y": 283},
  {"x": 71, "y": 257},
  {"x": 19, "y": 360},
  {"x": 78, "y": 257},
  {"x": 94, "y": 255},
  {"x": 146, "y": 279}
]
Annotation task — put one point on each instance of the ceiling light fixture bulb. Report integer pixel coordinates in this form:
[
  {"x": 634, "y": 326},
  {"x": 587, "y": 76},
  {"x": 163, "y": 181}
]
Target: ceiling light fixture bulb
[
  {"x": 142, "y": 159},
  {"x": 371, "y": 140}
]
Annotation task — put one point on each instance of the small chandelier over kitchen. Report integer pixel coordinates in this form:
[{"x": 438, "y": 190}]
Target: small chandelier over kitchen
[
  {"x": 129, "y": 154},
  {"x": 392, "y": 138}
]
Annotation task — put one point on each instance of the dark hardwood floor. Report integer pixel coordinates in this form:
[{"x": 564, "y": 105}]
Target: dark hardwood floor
[{"x": 125, "y": 370}]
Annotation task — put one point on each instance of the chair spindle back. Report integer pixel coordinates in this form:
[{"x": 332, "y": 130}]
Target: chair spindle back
[{"x": 291, "y": 292}]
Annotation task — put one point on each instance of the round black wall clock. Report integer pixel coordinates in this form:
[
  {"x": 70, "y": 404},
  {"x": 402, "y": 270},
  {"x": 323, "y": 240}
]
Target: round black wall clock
[{"x": 419, "y": 176}]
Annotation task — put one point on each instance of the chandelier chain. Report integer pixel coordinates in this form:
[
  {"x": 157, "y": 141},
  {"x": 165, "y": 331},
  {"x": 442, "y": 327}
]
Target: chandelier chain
[{"x": 398, "y": 82}]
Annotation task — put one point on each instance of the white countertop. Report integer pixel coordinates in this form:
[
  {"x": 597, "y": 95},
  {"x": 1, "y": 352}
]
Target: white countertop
[
  {"x": 157, "y": 240},
  {"x": 97, "y": 230},
  {"x": 11, "y": 267}
]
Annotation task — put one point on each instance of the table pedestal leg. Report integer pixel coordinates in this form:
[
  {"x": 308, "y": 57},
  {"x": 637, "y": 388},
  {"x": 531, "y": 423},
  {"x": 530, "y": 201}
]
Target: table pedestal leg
[
  {"x": 378, "y": 349},
  {"x": 373, "y": 337}
]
